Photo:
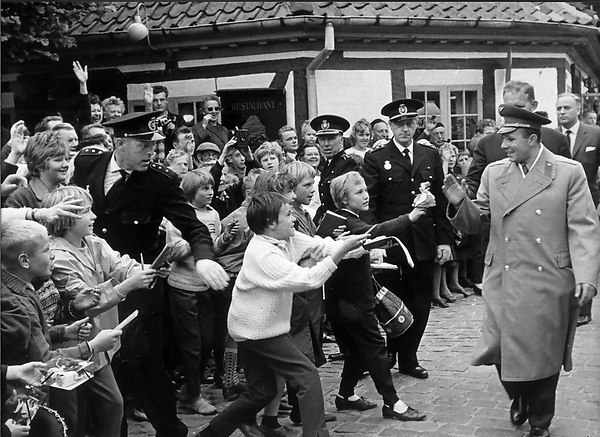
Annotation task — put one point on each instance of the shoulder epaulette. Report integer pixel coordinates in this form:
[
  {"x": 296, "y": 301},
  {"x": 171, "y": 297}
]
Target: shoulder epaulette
[
  {"x": 377, "y": 147},
  {"x": 159, "y": 168},
  {"x": 91, "y": 151},
  {"x": 424, "y": 142}
]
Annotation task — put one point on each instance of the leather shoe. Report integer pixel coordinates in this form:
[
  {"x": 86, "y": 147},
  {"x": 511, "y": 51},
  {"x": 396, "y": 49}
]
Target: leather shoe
[
  {"x": 361, "y": 404},
  {"x": 584, "y": 320},
  {"x": 476, "y": 290},
  {"x": 409, "y": 415},
  {"x": 251, "y": 430},
  {"x": 337, "y": 357},
  {"x": 440, "y": 302},
  {"x": 297, "y": 419},
  {"x": 539, "y": 432},
  {"x": 518, "y": 411},
  {"x": 416, "y": 372}
]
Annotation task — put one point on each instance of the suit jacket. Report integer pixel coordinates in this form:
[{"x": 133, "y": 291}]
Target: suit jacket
[
  {"x": 587, "y": 151},
  {"x": 339, "y": 164},
  {"x": 393, "y": 185},
  {"x": 544, "y": 239},
  {"x": 131, "y": 223},
  {"x": 489, "y": 150},
  {"x": 349, "y": 291},
  {"x": 215, "y": 134}
]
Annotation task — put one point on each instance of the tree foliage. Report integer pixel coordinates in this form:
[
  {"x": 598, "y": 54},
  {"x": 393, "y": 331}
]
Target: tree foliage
[{"x": 38, "y": 30}]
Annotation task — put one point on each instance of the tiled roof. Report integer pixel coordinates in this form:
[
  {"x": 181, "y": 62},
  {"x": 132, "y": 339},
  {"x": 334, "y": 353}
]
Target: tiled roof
[{"x": 165, "y": 15}]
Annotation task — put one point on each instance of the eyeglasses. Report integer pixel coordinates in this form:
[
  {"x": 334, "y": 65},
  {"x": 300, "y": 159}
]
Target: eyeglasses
[{"x": 215, "y": 109}]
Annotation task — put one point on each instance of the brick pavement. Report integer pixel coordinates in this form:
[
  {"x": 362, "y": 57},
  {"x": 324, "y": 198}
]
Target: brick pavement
[{"x": 459, "y": 400}]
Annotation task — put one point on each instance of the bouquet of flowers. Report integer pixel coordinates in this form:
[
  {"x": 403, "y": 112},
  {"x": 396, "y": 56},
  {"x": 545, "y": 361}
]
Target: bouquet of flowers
[{"x": 424, "y": 199}]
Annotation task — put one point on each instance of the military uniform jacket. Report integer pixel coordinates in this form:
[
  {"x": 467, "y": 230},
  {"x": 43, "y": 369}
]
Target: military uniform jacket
[
  {"x": 393, "y": 185},
  {"x": 544, "y": 239},
  {"x": 130, "y": 225},
  {"x": 339, "y": 164}
]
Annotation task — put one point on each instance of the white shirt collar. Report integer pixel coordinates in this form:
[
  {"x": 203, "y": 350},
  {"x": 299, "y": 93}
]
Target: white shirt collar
[
  {"x": 574, "y": 129},
  {"x": 402, "y": 148},
  {"x": 537, "y": 158},
  {"x": 113, "y": 167}
]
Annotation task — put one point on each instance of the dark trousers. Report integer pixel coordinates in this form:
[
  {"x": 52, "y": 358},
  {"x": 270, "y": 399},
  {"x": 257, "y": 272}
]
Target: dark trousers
[
  {"x": 221, "y": 301},
  {"x": 94, "y": 408},
  {"x": 366, "y": 351},
  {"x": 193, "y": 323},
  {"x": 262, "y": 360},
  {"x": 414, "y": 288},
  {"x": 540, "y": 396},
  {"x": 140, "y": 365}
]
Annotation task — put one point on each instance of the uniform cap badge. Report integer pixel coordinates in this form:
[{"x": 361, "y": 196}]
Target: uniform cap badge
[
  {"x": 324, "y": 124},
  {"x": 402, "y": 109}
]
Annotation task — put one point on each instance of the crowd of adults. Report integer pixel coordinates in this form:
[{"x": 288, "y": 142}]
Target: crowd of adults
[{"x": 247, "y": 275}]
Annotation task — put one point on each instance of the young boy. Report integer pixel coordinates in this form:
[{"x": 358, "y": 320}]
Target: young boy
[
  {"x": 269, "y": 156},
  {"x": 82, "y": 263},
  {"x": 350, "y": 303},
  {"x": 178, "y": 161},
  {"x": 229, "y": 249},
  {"x": 26, "y": 257},
  {"x": 189, "y": 298},
  {"x": 235, "y": 163},
  {"x": 259, "y": 317}
]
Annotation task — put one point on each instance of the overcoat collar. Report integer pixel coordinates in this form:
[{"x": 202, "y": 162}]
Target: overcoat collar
[{"x": 517, "y": 190}]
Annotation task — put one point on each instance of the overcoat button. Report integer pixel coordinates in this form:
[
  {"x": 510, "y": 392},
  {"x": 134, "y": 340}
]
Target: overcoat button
[
  {"x": 538, "y": 212},
  {"x": 135, "y": 222},
  {"x": 104, "y": 230},
  {"x": 538, "y": 240},
  {"x": 389, "y": 179},
  {"x": 506, "y": 267},
  {"x": 540, "y": 268},
  {"x": 506, "y": 239}
]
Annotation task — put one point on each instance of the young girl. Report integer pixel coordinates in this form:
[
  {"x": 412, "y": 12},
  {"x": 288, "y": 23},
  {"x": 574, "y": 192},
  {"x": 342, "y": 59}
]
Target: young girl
[
  {"x": 311, "y": 154},
  {"x": 350, "y": 306},
  {"x": 83, "y": 262},
  {"x": 178, "y": 161},
  {"x": 360, "y": 139}
]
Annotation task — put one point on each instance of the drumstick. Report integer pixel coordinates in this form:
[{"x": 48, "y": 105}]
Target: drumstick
[
  {"x": 128, "y": 320},
  {"x": 370, "y": 229}
]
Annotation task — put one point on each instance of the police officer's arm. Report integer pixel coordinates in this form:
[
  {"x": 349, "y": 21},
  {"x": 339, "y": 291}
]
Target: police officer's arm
[
  {"x": 370, "y": 174},
  {"x": 181, "y": 214}
]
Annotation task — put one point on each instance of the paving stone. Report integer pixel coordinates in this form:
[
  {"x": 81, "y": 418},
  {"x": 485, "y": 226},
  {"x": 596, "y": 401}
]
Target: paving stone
[{"x": 459, "y": 400}]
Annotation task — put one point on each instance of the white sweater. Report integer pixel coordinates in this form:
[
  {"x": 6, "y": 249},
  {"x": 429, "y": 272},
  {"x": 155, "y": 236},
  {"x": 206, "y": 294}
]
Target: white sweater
[{"x": 261, "y": 304}]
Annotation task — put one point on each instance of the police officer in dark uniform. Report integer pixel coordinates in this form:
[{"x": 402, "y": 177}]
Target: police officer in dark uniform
[
  {"x": 394, "y": 174},
  {"x": 131, "y": 195},
  {"x": 330, "y": 130}
]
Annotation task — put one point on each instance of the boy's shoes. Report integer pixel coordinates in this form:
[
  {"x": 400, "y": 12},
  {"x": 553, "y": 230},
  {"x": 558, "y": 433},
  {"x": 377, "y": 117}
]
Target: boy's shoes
[
  {"x": 409, "y": 415},
  {"x": 361, "y": 404},
  {"x": 297, "y": 419},
  {"x": 584, "y": 320},
  {"x": 231, "y": 393},
  {"x": 200, "y": 406},
  {"x": 281, "y": 431},
  {"x": 337, "y": 357},
  {"x": 251, "y": 430}
]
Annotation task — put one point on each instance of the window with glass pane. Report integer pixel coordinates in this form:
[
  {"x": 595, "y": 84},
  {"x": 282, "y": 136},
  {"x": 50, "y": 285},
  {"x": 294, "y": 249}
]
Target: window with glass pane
[{"x": 464, "y": 114}]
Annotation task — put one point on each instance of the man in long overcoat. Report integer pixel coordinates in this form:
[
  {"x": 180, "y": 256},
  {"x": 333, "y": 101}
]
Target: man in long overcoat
[{"x": 542, "y": 263}]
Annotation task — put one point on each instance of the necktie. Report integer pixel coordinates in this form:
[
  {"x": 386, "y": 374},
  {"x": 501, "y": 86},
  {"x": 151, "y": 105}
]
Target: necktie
[
  {"x": 568, "y": 133},
  {"x": 525, "y": 169},
  {"x": 406, "y": 154},
  {"x": 117, "y": 188}
]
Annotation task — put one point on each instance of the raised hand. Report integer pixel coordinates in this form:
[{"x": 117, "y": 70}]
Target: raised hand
[
  {"x": 80, "y": 73},
  {"x": 454, "y": 192},
  {"x": 105, "y": 340},
  {"x": 79, "y": 330},
  {"x": 11, "y": 183},
  {"x": 67, "y": 208}
]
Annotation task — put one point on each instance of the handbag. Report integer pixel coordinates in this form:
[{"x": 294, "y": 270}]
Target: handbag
[{"x": 394, "y": 317}]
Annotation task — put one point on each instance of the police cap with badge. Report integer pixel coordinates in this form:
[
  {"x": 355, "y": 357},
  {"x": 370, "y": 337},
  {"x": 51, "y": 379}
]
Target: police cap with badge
[
  {"x": 143, "y": 126},
  {"x": 516, "y": 118},
  {"x": 330, "y": 125},
  {"x": 402, "y": 109}
]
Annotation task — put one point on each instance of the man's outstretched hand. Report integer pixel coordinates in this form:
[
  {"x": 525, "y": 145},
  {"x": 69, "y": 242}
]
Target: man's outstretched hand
[{"x": 455, "y": 192}]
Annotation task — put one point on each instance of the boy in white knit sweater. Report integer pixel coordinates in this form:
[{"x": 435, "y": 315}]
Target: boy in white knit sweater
[{"x": 259, "y": 317}]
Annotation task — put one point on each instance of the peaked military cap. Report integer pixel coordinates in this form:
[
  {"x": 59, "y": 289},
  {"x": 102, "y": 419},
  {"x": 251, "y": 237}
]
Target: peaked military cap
[
  {"x": 330, "y": 125},
  {"x": 515, "y": 118},
  {"x": 143, "y": 126},
  {"x": 402, "y": 109}
]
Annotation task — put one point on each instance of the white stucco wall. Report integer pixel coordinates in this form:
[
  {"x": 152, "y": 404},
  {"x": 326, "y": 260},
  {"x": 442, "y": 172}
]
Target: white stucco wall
[
  {"x": 443, "y": 77},
  {"x": 353, "y": 94},
  {"x": 544, "y": 81}
]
